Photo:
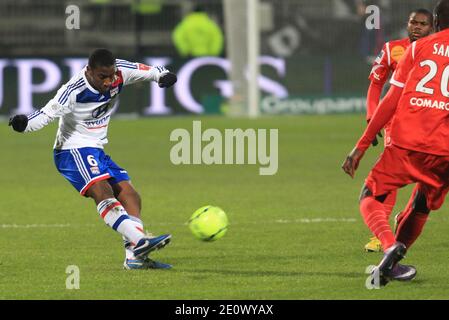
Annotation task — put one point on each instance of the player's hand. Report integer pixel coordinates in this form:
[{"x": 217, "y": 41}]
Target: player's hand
[
  {"x": 167, "y": 79},
  {"x": 19, "y": 122},
  {"x": 375, "y": 141},
  {"x": 352, "y": 161}
]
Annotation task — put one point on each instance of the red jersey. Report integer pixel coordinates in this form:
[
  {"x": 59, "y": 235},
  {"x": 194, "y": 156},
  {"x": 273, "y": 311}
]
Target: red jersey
[
  {"x": 387, "y": 60},
  {"x": 383, "y": 67},
  {"x": 421, "y": 120}
]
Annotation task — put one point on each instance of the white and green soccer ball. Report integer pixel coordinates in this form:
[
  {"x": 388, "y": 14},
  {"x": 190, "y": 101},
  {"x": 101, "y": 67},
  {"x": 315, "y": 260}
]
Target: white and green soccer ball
[{"x": 208, "y": 223}]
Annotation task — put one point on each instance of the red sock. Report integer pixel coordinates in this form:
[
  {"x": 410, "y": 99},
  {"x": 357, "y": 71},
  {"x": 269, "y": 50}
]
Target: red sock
[
  {"x": 410, "y": 227},
  {"x": 389, "y": 202},
  {"x": 375, "y": 217}
]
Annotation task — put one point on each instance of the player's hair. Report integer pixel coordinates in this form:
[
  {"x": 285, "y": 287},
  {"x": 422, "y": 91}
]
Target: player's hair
[
  {"x": 441, "y": 12},
  {"x": 102, "y": 58},
  {"x": 424, "y": 12}
]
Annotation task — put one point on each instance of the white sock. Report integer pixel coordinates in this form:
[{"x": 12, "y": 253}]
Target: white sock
[
  {"x": 129, "y": 253},
  {"x": 115, "y": 216}
]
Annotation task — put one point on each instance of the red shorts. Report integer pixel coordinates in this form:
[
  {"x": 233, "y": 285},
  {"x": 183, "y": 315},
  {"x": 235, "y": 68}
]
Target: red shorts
[{"x": 397, "y": 167}]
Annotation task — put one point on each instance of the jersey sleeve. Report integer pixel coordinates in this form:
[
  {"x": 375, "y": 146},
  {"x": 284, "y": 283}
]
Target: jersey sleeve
[
  {"x": 61, "y": 104},
  {"x": 382, "y": 115},
  {"x": 404, "y": 67},
  {"x": 133, "y": 72},
  {"x": 381, "y": 67},
  {"x": 373, "y": 98}
]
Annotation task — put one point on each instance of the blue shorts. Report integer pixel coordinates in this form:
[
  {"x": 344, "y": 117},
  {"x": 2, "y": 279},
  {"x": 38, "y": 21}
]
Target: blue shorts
[{"x": 84, "y": 166}]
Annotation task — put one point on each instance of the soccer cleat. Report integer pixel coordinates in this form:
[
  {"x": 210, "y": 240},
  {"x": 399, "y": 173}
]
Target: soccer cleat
[
  {"x": 152, "y": 264},
  {"x": 146, "y": 245},
  {"x": 402, "y": 272},
  {"x": 374, "y": 245},
  {"x": 143, "y": 264},
  {"x": 392, "y": 256}
]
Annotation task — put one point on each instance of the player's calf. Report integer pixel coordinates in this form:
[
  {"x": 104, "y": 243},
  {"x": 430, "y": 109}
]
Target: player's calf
[{"x": 115, "y": 216}]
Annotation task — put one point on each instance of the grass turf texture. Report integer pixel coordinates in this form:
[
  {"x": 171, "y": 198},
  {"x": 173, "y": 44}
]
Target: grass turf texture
[{"x": 274, "y": 249}]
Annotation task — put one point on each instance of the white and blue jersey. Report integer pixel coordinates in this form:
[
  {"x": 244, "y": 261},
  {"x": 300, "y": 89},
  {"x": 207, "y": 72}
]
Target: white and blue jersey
[{"x": 84, "y": 114}]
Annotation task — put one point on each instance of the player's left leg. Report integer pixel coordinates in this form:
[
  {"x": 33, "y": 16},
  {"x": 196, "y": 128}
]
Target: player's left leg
[
  {"x": 128, "y": 196},
  {"x": 374, "y": 244},
  {"x": 412, "y": 220},
  {"x": 375, "y": 216},
  {"x": 131, "y": 201}
]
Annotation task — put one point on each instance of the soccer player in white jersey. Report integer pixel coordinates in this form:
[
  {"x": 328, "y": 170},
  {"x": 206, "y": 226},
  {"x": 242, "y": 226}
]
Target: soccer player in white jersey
[{"x": 84, "y": 106}]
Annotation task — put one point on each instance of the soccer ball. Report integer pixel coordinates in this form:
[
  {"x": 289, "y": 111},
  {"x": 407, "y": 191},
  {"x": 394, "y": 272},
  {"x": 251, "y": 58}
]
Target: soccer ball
[{"x": 208, "y": 223}]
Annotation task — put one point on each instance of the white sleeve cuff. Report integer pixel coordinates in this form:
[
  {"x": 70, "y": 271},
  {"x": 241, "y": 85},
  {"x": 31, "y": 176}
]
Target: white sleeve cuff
[{"x": 397, "y": 83}]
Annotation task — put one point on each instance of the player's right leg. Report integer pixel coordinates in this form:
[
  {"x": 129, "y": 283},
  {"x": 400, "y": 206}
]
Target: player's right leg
[
  {"x": 374, "y": 245},
  {"x": 375, "y": 217},
  {"x": 84, "y": 169},
  {"x": 115, "y": 216}
]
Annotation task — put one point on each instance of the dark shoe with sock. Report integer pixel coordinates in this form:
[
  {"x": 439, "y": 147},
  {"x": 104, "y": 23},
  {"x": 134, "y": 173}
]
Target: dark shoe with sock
[{"x": 392, "y": 256}]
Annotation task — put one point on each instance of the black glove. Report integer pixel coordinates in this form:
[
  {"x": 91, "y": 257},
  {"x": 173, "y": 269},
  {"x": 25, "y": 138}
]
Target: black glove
[
  {"x": 167, "y": 80},
  {"x": 375, "y": 142},
  {"x": 19, "y": 122}
]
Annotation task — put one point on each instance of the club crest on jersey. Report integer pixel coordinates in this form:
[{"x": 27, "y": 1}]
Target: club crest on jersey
[
  {"x": 143, "y": 66},
  {"x": 95, "y": 170}
]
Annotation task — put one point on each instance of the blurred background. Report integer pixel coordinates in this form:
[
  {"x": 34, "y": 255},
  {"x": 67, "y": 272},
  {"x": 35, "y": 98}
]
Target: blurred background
[{"x": 314, "y": 56}]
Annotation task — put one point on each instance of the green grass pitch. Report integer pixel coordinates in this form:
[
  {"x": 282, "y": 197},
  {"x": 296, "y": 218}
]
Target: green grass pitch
[{"x": 295, "y": 235}]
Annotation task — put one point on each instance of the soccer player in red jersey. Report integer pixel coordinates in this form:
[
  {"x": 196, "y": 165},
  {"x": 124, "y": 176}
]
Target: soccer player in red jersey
[
  {"x": 418, "y": 104},
  {"x": 420, "y": 24}
]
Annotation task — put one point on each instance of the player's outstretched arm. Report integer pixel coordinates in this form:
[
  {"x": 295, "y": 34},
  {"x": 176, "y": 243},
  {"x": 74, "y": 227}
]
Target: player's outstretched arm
[
  {"x": 383, "y": 114},
  {"x": 19, "y": 122},
  {"x": 132, "y": 72}
]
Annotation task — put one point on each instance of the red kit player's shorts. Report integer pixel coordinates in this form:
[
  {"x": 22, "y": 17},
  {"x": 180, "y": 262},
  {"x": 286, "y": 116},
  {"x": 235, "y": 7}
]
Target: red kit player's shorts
[{"x": 399, "y": 167}]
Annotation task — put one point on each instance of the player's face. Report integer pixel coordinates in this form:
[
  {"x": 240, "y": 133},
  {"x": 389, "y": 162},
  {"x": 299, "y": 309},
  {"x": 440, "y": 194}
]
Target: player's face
[
  {"x": 419, "y": 26},
  {"x": 101, "y": 78}
]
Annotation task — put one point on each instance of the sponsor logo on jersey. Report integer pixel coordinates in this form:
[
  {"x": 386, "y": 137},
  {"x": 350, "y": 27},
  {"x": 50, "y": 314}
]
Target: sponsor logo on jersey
[
  {"x": 96, "y": 123},
  {"x": 397, "y": 52},
  {"x": 101, "y": 110}
]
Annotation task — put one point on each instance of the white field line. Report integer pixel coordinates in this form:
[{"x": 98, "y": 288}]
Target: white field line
[{"x": 280, "y": 221}]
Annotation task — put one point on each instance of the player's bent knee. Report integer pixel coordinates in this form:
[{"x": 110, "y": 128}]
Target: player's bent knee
[{"x": 365, "y": 193}]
